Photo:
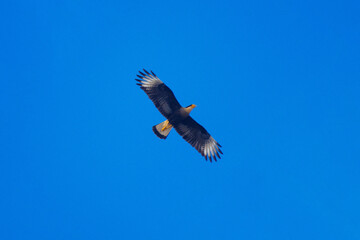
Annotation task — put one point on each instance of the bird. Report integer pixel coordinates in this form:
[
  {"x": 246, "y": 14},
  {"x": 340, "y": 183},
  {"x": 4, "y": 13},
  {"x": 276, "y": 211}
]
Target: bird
[{"x": 177, "y": 117}]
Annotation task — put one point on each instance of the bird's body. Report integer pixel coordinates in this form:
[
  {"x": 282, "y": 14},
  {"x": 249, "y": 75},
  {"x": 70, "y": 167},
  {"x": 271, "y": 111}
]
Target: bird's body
[
  {"x": 177, "y": 117},
  {"x": 162, "y": 130}
]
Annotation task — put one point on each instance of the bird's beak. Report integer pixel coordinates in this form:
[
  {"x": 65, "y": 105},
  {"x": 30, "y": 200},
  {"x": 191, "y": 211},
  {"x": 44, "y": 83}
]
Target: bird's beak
[{"x": 194, "y": 106}]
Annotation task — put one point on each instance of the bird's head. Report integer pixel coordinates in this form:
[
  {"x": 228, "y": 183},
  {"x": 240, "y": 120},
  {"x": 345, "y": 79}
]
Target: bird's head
[{"x": 191, "y": 107}]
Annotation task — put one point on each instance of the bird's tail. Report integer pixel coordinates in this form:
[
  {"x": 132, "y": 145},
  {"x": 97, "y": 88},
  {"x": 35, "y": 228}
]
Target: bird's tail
[{"x": 163, "y": 129}]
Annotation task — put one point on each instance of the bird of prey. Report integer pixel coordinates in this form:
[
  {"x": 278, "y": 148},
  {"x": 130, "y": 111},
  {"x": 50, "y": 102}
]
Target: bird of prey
[{"x": 177, "y": 117}]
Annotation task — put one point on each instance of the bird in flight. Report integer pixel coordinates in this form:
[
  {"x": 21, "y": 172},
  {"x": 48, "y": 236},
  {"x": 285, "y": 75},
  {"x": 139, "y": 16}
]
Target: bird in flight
[{"x": 177, "y": 117}]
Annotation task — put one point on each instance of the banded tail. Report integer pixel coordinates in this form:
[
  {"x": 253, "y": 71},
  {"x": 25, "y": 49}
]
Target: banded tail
[{"x": 163, "y": 129}]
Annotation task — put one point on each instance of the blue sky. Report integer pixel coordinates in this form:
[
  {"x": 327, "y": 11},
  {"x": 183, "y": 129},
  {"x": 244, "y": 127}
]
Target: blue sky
[{"x": 277, "y": 83}]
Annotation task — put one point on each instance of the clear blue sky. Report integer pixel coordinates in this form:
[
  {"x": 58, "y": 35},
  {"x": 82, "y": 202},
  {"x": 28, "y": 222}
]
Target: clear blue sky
[{"x": 277, "y": 83}]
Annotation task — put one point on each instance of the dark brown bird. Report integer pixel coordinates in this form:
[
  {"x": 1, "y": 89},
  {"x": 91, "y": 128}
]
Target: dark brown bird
[{"x": 177, "y": 117}]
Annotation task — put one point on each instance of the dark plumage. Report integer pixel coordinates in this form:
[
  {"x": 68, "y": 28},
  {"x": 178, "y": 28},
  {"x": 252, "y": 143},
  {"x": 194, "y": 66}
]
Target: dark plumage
[{"x": 177, "y": 117}]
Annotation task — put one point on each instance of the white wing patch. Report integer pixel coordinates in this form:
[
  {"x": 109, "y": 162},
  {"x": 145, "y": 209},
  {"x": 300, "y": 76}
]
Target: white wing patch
[
  {"x": 150, "y": 81},
  {"x": 210, "y": 148}
]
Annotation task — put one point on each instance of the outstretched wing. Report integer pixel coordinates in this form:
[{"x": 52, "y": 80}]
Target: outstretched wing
[
  {"x": 162, "y": 96},
  {"x": 199, "y": 138}
]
